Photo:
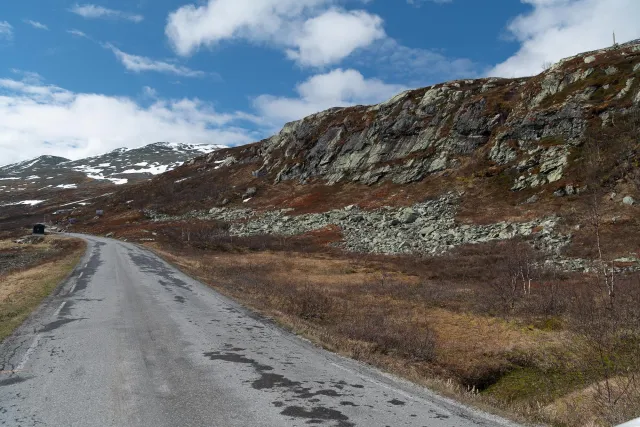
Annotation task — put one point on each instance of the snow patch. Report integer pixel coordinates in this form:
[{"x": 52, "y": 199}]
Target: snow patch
[
  {"x": 118, "y": 181},
  {"x": 31, "y": 164},
  {"x": 25, "y": 202},
  {"x": 66, "y": 186},
  {"x": 153, "y": 170}
]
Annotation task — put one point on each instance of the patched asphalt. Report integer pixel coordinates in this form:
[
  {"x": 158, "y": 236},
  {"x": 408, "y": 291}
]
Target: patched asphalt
[{"x": 130, "y": 341}]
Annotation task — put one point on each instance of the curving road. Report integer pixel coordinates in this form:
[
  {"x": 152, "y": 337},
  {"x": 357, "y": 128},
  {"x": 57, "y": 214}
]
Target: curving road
[{"x": 130, "y": 341}]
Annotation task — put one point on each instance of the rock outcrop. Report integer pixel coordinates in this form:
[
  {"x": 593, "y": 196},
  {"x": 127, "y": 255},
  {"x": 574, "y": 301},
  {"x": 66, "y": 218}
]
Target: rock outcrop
[{"x": 528, "y": 127}]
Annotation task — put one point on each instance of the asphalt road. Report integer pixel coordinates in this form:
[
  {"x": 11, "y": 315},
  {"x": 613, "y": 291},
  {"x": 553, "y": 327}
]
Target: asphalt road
[{"x": 130, "y": 341}]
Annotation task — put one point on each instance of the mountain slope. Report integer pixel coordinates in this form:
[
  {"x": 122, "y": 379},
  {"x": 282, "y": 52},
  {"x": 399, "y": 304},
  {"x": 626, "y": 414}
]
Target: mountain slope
[
  {"x": 523, "y": 135},
  {"x": 509, "y": 154},
  {"x": 116, "y": 167}
]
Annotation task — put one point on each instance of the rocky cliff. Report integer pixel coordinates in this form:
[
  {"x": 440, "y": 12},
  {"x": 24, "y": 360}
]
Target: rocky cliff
[{"x": 527, "y": 127}]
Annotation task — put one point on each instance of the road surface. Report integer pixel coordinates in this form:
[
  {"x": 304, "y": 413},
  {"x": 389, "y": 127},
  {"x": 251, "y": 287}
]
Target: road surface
[{"x": 130, "y": 341}]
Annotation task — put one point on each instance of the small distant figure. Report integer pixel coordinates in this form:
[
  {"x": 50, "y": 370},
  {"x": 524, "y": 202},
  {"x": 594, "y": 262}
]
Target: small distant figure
[
  {"x": 39, "y": 229},
  {"x": 99, "y": 212}
]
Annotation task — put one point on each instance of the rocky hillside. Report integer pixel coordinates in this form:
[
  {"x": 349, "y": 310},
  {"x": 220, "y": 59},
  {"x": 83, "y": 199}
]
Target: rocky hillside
[
  {"x": 456, "y": 163},
  {"x": 525, "y": 127}
]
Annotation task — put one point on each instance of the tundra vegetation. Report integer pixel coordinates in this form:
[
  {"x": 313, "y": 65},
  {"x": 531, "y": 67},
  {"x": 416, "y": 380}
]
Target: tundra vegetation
[{"x": 519, "y": 293}]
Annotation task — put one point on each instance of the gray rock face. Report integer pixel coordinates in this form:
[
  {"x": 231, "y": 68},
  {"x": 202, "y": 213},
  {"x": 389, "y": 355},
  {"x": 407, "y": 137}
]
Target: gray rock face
[
  {"x": 628, "y": 200},
  {"x": 427, "y": 131}
]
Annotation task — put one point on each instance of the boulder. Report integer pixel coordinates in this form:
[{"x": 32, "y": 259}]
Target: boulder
[
  {"x": 407, "y": 216},
  {"x": 628, "y": 200},
  {"x": 427, "y": 231},
  {"x": 251, "y": 191}
]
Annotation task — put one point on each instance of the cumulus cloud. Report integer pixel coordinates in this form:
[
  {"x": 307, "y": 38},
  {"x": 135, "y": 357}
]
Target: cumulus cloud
[
  {"x": 47, "y": 119},
  {"x": 337, "y": 88},
  {"x": 310, "y": 33},
  {"x": 333, "y": 35},
  {"x": 36, "y": 24},
  {"x": 139, "y": 64},
  {"x": 6, "y": 30},
  {"x": 555, "y": 29},
  {"x": 93, "y": 11}
]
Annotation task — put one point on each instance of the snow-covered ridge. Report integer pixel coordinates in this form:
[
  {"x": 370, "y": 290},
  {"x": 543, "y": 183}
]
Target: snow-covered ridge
[{"x": 119, "y": 167}]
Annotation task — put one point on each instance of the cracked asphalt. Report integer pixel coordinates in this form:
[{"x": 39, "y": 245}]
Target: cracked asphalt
[{"x": 130, "y": 341}]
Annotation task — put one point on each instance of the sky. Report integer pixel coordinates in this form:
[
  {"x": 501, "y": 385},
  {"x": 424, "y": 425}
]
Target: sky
[{"x": 80, "y": 79}]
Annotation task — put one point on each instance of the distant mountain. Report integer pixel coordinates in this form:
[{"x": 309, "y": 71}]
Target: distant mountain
[
  {"x": 32, "y": 166},
  {"x": 118, "y": 167}
]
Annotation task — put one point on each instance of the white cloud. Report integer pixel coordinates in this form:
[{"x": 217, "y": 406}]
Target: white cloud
[
  {"x": 35, "y": 90},
  {"x": 337, "y": 88},
  {"x": 329, "y": 37},
  {"x": 93, "y": 11},
  {"x": 556, "y": 29},
  {"x": 191, "y": 27},
  {"x": 36, "y": 24},
  {"x": 77, "y": 33},
  {"x": 310, "y": 33},
  {"x": 139, "y": 64},
  {"x": 47, "y": 119},
  {"x": 6, "y": 30}
]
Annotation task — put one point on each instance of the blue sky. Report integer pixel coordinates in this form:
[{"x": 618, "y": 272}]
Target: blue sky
[{"x": 79, "y": 79}]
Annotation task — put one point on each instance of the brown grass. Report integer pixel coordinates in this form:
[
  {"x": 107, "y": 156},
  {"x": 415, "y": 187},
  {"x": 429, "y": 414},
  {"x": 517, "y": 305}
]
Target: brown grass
[
  {"x": 417, "y": 318},
  {"x": 22, "y": 291}
]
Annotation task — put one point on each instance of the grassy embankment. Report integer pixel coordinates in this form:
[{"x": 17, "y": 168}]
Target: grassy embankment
[{"x": 29, "y": 273}]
